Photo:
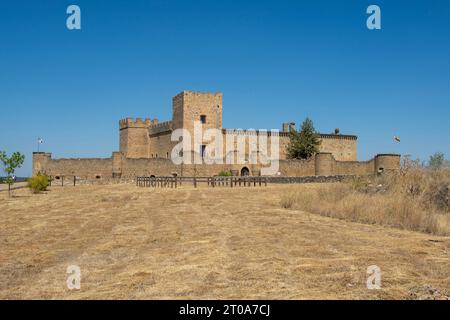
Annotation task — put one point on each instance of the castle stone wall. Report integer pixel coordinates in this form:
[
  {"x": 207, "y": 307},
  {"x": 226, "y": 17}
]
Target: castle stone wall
[
  {"x": 342, "y": 147},
  {"x": 297, "y": 168},
  {"x": 90, "y": 168},
  {"x": 161, "y": 145},
  {"x": 324, "y": 164},
  {"x": 354, "y": 167},
  {"x": 118, "y": 166}
]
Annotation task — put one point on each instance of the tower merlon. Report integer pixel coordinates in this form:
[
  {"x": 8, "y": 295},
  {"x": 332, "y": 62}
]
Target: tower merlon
[{"x": 135, "y": 123}]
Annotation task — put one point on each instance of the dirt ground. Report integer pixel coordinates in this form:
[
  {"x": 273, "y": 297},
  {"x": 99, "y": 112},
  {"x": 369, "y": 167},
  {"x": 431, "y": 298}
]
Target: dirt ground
[{"x": 205, "y": 243}]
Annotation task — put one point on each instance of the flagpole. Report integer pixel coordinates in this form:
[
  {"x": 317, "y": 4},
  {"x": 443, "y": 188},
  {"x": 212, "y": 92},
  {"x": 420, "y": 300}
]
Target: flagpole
[{"x": 39, "y": 141}]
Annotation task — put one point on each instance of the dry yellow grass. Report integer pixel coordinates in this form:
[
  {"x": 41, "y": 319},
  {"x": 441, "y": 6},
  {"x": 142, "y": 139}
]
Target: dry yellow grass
[
  {"x": 143, "y": 243},
  {"x": 416, "y": 199}
]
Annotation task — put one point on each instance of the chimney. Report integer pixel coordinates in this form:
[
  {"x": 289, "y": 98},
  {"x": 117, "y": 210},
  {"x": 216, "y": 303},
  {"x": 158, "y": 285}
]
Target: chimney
[{"x": 288, "y": 126}]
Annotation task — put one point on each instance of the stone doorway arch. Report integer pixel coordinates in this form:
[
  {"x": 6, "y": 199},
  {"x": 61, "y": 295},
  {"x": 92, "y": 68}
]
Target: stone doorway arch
[{"x": 245, "y": 171}]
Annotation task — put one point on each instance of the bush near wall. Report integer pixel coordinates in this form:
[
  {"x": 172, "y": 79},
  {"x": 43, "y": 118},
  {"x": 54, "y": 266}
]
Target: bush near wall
[{"x": 38, "y": 183}]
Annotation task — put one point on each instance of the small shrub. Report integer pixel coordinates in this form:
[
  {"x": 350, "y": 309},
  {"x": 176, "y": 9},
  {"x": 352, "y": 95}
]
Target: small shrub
[
  {"x": 361, "y": 183},
  {"x": 224, "y": 174},
  {"x": 287, "y": 201},
  {"x": 437, "y": 195},
  {"x": 38, "y": 183}
]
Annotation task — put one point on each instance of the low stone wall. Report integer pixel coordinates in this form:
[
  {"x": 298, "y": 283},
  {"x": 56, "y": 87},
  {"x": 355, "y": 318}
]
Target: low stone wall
[{"x": 309, "y": 179}]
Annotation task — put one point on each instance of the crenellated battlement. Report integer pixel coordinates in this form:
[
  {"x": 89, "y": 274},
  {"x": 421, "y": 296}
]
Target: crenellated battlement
[
  {"x": 160, "y": 127},
  {"x": 247, "y": 132},
  {"x": 284, "y": 134},
  {"x": 336, "y": 136},
  {"x": 136, "y": 123}
]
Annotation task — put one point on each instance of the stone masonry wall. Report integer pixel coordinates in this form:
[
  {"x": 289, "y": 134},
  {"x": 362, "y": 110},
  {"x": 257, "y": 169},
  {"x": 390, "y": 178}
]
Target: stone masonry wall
[
  {"x": 342, "y": 148},
  {"x": 90, "y": 168},
  {"x": 119, "y": 166}
]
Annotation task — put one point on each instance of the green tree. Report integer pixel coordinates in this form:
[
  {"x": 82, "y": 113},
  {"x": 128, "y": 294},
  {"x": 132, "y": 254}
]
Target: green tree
[
  {"x": 437, "y": 160},
  {"x": 303, "y": 144},
  {"x": 10, "y": 164}
]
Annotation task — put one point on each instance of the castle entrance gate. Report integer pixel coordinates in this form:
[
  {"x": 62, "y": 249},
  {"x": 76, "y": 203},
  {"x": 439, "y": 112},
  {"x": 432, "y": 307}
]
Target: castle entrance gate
[{"x": 245, "y": 171}]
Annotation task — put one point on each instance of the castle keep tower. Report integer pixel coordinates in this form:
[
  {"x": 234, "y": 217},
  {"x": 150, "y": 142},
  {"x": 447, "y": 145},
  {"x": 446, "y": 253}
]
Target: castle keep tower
[
  {"x": 191, "y": 106},
  {"x": 202, "y": 107}
]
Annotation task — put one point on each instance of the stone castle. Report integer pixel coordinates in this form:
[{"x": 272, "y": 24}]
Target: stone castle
[{"x": 145, "y": 149}]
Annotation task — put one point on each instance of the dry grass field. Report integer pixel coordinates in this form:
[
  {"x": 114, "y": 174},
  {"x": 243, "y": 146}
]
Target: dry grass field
[
  {"x": 143, "y": 243},
  {"x": 415, "y": 199}
]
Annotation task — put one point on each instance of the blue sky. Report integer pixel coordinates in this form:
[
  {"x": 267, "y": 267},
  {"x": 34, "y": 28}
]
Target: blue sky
[{"x": 274, "y": 61}]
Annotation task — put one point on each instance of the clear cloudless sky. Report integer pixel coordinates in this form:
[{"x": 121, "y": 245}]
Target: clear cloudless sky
[{"x": 274, "y": 61}]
